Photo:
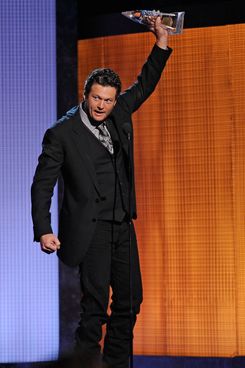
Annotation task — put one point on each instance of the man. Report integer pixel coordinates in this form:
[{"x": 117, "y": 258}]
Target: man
[{"x": 91, "y": 148}]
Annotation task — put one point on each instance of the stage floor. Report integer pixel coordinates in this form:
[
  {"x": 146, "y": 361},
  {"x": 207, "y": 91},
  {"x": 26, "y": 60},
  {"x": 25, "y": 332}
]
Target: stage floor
[{"x": 159, "y": 362}]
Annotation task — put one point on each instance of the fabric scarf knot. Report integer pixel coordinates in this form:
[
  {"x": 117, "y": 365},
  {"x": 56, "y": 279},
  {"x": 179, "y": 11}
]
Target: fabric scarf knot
[{"x": 105, "y": 138}]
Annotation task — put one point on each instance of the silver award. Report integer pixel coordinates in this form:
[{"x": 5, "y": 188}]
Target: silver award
[{"x": 173, "y": 22}]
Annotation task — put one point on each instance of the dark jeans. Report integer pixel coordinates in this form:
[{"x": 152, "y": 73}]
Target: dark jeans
[{"x": 107, "y": 264}]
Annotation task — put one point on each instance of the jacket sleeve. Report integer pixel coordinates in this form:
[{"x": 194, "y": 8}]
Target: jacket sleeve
[
  {"x": 146, "y": 82},
  {"x": 45, "y": 178}
]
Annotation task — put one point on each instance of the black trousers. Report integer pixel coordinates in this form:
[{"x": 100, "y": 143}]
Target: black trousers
[{"x": 107, "y": 264}]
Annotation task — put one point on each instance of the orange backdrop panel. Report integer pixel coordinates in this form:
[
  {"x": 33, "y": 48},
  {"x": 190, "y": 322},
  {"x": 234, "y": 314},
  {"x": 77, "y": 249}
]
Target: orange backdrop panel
[{"x": 189, "y": 152}]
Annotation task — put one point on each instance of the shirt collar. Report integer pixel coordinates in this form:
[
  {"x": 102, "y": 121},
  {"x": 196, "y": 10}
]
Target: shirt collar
[{"x": 85, "y": 118}]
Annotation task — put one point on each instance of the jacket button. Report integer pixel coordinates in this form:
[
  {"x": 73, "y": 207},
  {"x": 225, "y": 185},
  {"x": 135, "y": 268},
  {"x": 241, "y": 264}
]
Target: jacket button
[
  {"x": 97, "y": 200},
  {"x": 94, "y": 220},
  {"x": 103, "y": 198}
]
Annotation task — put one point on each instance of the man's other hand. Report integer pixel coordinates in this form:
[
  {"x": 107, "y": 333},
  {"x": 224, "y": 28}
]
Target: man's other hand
[{"x": 49, "y": 243}]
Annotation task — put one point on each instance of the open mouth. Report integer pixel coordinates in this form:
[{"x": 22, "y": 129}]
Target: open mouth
[{"x": 99, "y": 112}]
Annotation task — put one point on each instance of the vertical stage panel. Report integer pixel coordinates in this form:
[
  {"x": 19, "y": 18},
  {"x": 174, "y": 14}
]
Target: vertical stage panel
[
  {"x": 189, "y": 161},
  {"x": 29, "y": 324}
]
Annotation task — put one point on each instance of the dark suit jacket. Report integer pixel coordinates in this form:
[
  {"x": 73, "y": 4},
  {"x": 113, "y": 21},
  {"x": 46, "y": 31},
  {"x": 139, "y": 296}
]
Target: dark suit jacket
[{"x": 65, "y": 151}]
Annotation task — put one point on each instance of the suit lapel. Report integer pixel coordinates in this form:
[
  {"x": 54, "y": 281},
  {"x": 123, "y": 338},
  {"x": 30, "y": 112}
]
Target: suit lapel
[
  {"x": 79, "y": 138},
  {"x": 117, "y": 134}
]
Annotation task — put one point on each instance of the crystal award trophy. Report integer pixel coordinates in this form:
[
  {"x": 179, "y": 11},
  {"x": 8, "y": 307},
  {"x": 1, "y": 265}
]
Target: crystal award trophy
[{"x": 173, "y": 22}]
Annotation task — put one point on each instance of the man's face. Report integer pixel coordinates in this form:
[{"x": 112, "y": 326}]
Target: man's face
[{"x": 100, "y": 101}]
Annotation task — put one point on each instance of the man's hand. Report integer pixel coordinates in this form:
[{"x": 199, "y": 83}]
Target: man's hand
[
  {"x": 155, "y": 25},
  {"x": 49, "y": 243}
]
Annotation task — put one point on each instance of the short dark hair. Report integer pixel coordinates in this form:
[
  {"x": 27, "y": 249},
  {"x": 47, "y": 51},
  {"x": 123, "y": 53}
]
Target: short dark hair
[{"x": 104, "y": 77}]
